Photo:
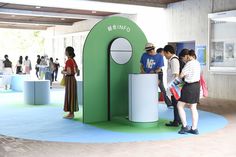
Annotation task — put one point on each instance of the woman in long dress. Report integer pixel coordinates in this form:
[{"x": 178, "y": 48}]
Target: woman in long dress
[{"x": 71, "y": 101}]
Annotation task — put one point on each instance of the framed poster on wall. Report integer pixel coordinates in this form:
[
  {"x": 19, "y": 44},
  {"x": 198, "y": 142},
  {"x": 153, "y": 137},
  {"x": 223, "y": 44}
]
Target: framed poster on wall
[{"x": 201, "y": 54}]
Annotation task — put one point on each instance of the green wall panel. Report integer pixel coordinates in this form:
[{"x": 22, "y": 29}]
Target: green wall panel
[{"x": 95, "y": 68}]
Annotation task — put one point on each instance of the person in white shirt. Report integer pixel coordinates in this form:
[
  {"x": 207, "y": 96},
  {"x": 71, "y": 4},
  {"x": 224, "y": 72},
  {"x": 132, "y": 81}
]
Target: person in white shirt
[
  {"x": 7, "y": 72},
  {"x": 190, "y": 92},
  {"x": 42, "y": 67},
  {"x": 173, "y": 70},
  {"x": 27, "y": 64}
]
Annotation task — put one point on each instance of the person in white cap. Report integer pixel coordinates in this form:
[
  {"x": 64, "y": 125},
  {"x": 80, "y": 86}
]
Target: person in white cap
[{"x": 152, "y": 62}]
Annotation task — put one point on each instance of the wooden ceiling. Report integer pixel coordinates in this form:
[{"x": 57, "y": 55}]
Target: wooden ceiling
[
  {"x": 40, "y": 18},
  {"x": 152, "y": 3},
  {"x": 32, "y": 17}
]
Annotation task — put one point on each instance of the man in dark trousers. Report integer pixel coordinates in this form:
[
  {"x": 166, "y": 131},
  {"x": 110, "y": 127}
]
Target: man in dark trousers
[
  {"x": 56, "y": 67},
  {"x": 160, "y": 51},
  {"x": 172, "y": 73},
  {"x": 37, "y": 65}
]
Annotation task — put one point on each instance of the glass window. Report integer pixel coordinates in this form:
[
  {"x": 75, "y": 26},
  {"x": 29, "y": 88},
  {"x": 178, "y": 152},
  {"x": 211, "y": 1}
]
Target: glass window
[{"x": 222, "y": 41}]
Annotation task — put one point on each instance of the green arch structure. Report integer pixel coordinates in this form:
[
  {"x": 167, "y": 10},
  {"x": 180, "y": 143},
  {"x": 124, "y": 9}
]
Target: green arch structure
[{"x": 105, "y": 83}]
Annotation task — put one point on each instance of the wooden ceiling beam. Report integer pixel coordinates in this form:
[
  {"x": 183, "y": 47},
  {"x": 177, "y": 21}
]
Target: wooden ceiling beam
[
  {"x": 47, "y": 14},
  {"x": 132, "y": 2},
  {"x": 33, "y": 22}
]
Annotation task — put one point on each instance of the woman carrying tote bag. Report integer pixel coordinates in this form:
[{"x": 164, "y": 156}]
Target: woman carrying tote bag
[{"x": 69, "y": 72}]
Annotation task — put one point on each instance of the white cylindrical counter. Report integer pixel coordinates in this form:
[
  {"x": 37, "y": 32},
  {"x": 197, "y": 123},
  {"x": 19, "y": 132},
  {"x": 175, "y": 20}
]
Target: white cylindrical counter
[{"x": 143, "y": 97}]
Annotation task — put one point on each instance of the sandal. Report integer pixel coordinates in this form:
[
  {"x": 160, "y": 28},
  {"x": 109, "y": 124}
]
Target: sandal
[{"x": 69, "y": 117}]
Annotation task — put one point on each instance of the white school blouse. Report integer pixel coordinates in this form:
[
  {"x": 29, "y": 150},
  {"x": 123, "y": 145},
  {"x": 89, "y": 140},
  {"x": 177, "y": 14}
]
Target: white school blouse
[
  {"x": 173, "y": 68},
  {"x": 191, "y": 71}
]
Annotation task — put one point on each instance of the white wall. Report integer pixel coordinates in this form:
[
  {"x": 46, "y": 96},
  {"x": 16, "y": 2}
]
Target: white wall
[
  {"x": 153, "y": 27},
  {"x": 182, "y": 21},
  {"x": 152, "y": 21},
  {"x": 77, "y": 27},
  {"x": 188, "y": 20},
  {"x": 60, "y": 32}
]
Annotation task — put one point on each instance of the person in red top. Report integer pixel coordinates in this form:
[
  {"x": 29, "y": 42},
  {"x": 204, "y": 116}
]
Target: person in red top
[{"x": 71, "y": 100}]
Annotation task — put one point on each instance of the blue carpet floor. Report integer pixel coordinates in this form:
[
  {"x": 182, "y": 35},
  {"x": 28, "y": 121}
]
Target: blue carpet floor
[{"x": 45, "y": 123}]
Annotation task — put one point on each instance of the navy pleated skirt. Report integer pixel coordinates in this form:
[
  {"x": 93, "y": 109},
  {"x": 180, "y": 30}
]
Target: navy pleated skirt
[{"x": 190, "y": 93}]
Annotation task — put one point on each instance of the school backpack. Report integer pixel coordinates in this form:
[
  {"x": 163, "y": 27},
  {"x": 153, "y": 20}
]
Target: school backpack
[{"x": 181, "y": 63}]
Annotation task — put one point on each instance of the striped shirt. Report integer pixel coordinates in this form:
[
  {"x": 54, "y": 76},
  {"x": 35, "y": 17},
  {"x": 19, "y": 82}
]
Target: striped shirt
[{"x": 191, "y": 71}]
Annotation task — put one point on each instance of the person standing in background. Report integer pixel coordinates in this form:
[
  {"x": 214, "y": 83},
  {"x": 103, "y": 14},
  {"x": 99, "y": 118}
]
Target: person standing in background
[
  {"x": 19, "y": 64},
  {"x": 7, "y": 72},
  {"x": 27, "y": 64},
  {"x": 152, "y": 62},
  {"x": 51, "y": 69},
  {"x": 160, "y": 52},
  {"x": 37, "y": 65},
  {"x": 56, "y": 65},
  {"x": 69, "y": 72},
  {"x": 42, "y": 68},
  {"x": 48, "y": 71}
]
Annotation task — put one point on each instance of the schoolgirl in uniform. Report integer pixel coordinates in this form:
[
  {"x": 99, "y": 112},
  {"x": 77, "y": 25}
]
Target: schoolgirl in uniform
[{"x": 190, "y": 92}]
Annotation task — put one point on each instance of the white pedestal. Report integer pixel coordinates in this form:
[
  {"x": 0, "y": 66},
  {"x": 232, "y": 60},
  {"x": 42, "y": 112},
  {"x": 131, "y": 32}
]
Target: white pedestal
[
  {"x": 143, "y": 97},
  {"x": 17, "y": 82},
  {"x": 37, "y": 92}
]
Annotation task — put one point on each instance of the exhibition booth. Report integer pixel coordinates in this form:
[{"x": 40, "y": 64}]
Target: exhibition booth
[{"x": 115, "y": 101}]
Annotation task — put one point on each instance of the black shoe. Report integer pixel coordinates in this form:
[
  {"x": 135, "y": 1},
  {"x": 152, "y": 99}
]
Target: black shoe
[
  {"x": 172, "y": 124},
  {"x": 195, "y": 131},
  {"x": 184, "y": 130}
]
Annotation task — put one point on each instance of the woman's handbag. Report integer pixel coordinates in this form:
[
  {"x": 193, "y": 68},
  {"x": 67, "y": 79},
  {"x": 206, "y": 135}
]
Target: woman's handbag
[
  {"x": 203, "y": 86},
  {"x": 62, "y": 83}
]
